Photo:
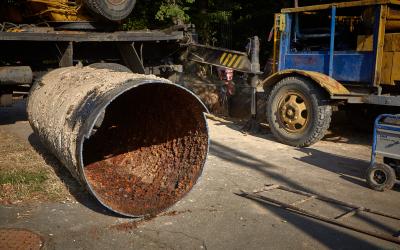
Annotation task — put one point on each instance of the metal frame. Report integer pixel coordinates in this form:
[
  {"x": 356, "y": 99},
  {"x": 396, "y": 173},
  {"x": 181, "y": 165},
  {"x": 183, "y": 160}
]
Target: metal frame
[
  {"x": 220, "y": 57},
  {"x": 331, "y": 62},
  {"x": 65, "y": 42},
  {"x": 332, "y": 42},
  {"x": 379, "y": 37},
  {"x": 379, "y": 125},
  {"x": 340, "y": 5},
  {"x": 83, "y": 36},
  {"x": 367, "y": 65},
  {"x": 338, "y": 220}
]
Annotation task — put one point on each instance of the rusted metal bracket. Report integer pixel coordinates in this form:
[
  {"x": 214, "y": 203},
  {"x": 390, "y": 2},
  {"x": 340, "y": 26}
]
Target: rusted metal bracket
[
  {"x": 67, "y": 55},
  {"x": 338, "y": 220},
  {"x": 236, "y": 60},
  {"x": 131, "y": 57}
]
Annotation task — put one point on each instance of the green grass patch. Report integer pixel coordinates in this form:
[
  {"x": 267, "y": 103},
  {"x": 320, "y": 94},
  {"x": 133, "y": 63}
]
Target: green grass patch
[{"x": 22, "y": 177}]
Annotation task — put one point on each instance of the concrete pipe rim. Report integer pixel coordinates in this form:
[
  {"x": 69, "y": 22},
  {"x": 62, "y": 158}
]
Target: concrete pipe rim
[{"x": 89, "y": 124}]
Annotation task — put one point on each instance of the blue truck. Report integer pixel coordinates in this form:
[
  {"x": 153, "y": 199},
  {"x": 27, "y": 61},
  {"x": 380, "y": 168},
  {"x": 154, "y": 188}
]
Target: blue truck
[{"x": 327, "y": 56}]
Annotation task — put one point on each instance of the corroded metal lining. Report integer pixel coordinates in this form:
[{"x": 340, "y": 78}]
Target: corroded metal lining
[{"x": 138, "y": 142}]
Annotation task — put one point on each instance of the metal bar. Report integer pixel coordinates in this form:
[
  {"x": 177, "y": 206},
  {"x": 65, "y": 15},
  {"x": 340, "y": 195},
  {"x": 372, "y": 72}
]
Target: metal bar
[
  {"x": 270, "y": 187},
  {"x": 340, "y": 5},
  {"x": 379, "y": 37},
  {"x": 275, "y": 48},
  {"x": 67, "y": 57},
  {"x": 81, "y": 36},
  {"x": 319, "y": 217},
  {"x": 285, "y": 42},
  {"x": 342, "y": 203},
  {"x": 382, "y": 100},
  {"x": 349, "y": 213},
  {"x": 131, "y": 58},
  {"x": 303, "y": 200},
  {"x": 15, "y": 75},
  {"x": 332, "y": 42}
]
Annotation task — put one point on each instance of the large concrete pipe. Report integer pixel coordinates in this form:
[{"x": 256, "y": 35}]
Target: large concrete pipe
[{"x": 139, "y": 143}]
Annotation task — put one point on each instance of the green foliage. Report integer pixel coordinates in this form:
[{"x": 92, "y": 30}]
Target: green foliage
[
  {"x": 216, "y": 21},
  {"x": 175, "y": 11},
  {"x": 135, "y": 24}
]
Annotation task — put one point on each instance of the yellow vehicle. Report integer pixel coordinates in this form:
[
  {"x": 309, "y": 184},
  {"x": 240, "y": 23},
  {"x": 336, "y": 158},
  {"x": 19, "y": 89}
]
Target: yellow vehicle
[{"x": 70, "y": 10}]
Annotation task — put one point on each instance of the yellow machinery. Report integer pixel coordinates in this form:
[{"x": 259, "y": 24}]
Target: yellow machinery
[
  {"x": 59, "y": 10},
  {"x": 70, "y": 10}
]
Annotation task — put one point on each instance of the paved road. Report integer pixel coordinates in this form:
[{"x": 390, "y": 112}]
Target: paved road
[{"x": 212, "y": 216}]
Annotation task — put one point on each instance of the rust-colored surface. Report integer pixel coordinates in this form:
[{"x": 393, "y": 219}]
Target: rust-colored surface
[
  {"x": 11, "y": 239},
  {"x": 149, "y": 151},
  {"x": 332, "y": 86}
]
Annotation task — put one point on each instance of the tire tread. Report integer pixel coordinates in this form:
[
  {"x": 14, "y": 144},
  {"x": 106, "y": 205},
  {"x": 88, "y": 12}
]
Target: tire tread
[{"x": 324, "y": 112}]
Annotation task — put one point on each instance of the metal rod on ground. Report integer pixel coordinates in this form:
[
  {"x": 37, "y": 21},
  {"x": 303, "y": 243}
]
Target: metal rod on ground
[
  {"x": 318, "y": 217},
  {"x": 341, "y": 203}
]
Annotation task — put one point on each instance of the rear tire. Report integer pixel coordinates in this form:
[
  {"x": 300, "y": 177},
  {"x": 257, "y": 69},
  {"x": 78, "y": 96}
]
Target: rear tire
[
  {"x": 114, "y": 10},
  {"x": 381, "y": 177},
  {"x": 298, "y": 112}
]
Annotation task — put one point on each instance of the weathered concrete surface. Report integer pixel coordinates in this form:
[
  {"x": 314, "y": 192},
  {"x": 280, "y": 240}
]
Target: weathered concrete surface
[{"x": 212, "y": 217}]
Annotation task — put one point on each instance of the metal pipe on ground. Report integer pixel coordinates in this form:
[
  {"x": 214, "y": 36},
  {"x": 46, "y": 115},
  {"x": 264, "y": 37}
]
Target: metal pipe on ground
[
  {"x": 15, "y": 75},
  {"x": 138, "y": 142}
]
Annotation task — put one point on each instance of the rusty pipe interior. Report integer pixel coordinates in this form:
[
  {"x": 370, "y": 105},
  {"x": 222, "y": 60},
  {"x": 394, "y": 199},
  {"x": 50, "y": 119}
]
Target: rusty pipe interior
[{"x": 146, "y": 150}]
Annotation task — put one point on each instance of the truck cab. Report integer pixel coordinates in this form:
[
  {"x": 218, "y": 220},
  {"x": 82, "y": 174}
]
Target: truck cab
[{"x": 328, "y": 55}]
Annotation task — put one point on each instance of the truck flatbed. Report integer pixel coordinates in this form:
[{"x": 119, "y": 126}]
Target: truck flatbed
[{"x": 89, "y": 36}]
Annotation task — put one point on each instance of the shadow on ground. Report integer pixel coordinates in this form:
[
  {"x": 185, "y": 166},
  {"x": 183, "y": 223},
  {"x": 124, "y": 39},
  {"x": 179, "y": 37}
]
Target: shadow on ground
[
  {"x": 350, "y": 169},
  {"x": 14, "y": 113},
  {"x": 318, "y": 230},
  {"x": 340, "y": 131}
]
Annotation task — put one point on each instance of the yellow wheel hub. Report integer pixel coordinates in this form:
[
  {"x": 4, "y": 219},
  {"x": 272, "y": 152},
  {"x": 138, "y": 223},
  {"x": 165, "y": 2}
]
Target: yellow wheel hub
[{"x": 293, "y": 112}]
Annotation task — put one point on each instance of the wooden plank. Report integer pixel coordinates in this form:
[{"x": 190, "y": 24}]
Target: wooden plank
[{"x": 387, "y": 68}]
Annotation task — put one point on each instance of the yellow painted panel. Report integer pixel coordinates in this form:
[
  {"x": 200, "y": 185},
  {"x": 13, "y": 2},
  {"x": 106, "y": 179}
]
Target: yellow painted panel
[
  {"x": 396, "y": 67},
  {"x": 227, "y": 59},
  {"x": 239, "y": 60},
  {"x": 387, "y": 67},
  {"x": 365, "y": 43},
  {"x": 392, "y": 42},
  {"x": 221, "y": 60},
  {"x": 232, "y": 60}
]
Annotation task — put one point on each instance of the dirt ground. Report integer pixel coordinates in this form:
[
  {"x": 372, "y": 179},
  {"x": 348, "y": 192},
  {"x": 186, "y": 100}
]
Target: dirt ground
[{"x": 212, "y": 216}]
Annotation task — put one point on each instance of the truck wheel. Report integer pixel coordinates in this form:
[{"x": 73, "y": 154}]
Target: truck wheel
[
  {"x": 114, "y": 10},
  {"x": 297, "y": 112},
  {"x": 381, "y": 177}
]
